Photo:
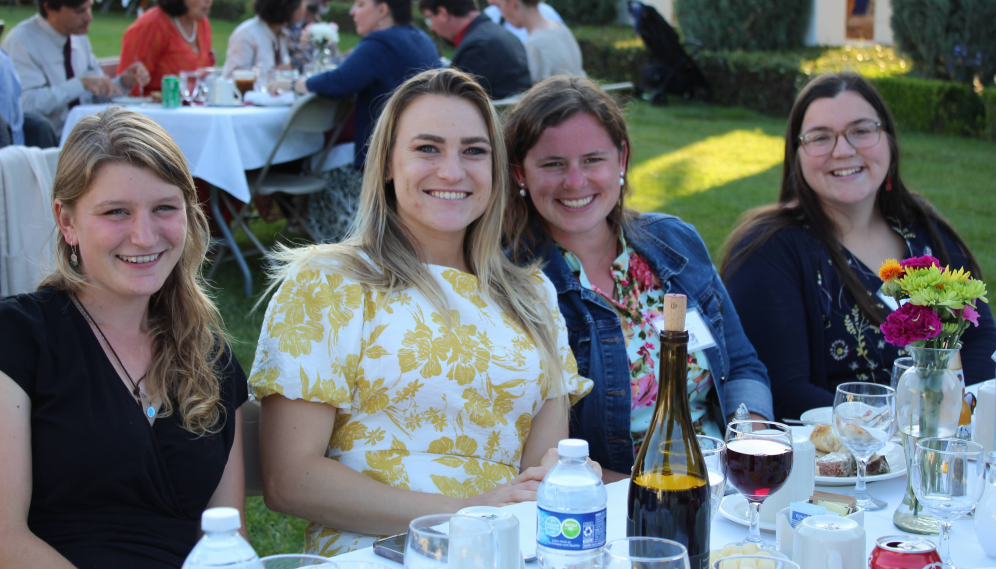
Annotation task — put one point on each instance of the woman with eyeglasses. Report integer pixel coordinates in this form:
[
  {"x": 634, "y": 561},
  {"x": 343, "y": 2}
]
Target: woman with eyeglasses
[{"x": 803, "y": 273}]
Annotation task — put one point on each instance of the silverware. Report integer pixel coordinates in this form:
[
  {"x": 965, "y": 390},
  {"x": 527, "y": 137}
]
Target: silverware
[{"x": 799, "y": 422}]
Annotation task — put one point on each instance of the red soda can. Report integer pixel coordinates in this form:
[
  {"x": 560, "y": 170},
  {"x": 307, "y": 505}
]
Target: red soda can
[{"x": 903, "y": 552}]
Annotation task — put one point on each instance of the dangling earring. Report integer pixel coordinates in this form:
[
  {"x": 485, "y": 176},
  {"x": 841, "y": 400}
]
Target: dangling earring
[
  {"x": 622, "y": 179},
  {"x": 888, "y": 184},
  {"x": 73, "y": 259},
  {"x": 522, "y": 189}
]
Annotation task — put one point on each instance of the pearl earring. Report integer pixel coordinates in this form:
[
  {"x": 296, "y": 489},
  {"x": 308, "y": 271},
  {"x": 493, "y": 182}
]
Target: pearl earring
[
  {"x": 622, "y": 179},
  {"x": 522, "y": 189}
]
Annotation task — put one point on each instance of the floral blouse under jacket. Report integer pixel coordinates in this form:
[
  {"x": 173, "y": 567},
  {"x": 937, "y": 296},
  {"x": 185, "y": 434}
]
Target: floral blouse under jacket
[
  {"x": 423, "y": 404},
  {"x": 640, "y": 301}
]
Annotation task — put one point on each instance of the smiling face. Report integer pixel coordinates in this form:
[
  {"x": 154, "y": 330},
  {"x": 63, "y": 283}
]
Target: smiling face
[
  {"x": 848, "y": 177},
  {"x": 441, "y": 166},
  {"x": 572, "y": 177},
  {"x": 367, "y": 15},
  {"x": 130, "y": 228}
]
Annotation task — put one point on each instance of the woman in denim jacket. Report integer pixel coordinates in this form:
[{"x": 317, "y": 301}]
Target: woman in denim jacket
[{"x": 568, "y": 144}]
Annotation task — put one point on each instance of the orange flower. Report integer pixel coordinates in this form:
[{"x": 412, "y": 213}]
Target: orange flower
[{"x": 890, "y": 269}]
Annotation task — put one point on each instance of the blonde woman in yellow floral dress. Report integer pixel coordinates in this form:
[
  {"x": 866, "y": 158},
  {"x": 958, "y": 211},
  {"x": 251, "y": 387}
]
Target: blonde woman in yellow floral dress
[{"x": 428, "y": 391}]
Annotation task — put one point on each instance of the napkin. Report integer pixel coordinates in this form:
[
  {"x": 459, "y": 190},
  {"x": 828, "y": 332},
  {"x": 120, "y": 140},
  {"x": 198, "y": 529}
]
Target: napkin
[{"x": 268, "y": 100}]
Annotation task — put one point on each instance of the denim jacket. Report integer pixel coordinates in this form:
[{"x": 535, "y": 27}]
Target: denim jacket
[{"x": 676, "y": 253}]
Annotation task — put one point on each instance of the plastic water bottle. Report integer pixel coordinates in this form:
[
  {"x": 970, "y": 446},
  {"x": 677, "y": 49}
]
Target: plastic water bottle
[
  {"x": 222, "y": 546},
  {"x": 570, "y": 525}
]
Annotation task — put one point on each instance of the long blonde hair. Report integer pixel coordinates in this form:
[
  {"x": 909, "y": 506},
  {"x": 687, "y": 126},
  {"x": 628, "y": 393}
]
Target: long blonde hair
[
  {"x": 379, "y": 233},
  {"x": 185, "y": 325}
]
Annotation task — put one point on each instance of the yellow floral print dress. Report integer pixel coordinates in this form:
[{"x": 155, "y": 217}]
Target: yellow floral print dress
[{"x": 423, "y": 404}]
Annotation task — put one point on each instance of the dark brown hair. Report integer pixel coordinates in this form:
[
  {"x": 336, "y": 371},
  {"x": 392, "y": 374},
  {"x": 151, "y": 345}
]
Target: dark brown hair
[
  {"x": 548, "y": 104},
  {"x": 799, "y": 206}
]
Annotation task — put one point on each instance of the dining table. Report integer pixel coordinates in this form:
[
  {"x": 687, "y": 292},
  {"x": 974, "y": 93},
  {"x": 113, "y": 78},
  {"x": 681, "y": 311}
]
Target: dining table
[
  {"x": 220, "y": 144},
  {"x": 965, "y": 549}
]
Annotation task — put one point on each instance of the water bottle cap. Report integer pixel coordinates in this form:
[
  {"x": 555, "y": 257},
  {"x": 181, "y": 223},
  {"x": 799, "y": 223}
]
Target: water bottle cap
[
  {"x": 220, "y": 519},
  {"x": 573, "y": 448}
]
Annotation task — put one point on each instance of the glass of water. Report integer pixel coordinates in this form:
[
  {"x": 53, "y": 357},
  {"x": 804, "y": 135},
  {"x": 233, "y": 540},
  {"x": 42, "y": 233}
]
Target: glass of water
[
  {"x": 452, "y": 541},
  {"x": 644, "y": 553},
  {"x": 189, "y": 83},
  {"x": 292, "y": 561},
  {"x": 714, "y": 452},
  {"x": 864, "y": 419}
]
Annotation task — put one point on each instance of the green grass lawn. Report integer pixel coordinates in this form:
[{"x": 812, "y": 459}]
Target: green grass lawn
[{"x": 705, "y": 164}]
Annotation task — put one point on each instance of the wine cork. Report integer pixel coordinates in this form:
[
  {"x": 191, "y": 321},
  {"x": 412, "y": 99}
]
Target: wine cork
[{"x": 674, "y": 312}]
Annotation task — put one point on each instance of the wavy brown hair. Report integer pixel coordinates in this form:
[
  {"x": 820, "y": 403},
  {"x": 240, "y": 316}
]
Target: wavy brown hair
[
  {"x": 799, "y": 206},
  {"x": 549, "y": 103},
  {"x": 187, "y": 336}
]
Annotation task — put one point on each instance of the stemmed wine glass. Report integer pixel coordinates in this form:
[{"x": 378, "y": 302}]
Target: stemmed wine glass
[
  {"x": 644, "y": 553},
  {"x": 714, "y": 452},
  {"x": 189, "y": 84},
  {"x": 295, "y": 561},
  {"x": 899, "y": 367},
  {"x": 948, "y": 477},
  {"x": 453, "y": 541},
  {"x": 758, "y": 462},
  {"x": 737, "y": 560},
  {"x": 864, "y": 419}
]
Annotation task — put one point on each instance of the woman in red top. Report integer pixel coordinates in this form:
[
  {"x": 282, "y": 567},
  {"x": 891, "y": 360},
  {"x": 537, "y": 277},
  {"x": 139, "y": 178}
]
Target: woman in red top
[{"x": 174, "y": 36}]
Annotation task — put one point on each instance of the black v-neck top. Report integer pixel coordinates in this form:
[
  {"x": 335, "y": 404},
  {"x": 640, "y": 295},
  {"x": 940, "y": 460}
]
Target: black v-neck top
[{"x": 109, "y": 490}]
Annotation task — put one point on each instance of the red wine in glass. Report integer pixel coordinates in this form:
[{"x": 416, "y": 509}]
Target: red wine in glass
[{"x": 758, "y": 467}]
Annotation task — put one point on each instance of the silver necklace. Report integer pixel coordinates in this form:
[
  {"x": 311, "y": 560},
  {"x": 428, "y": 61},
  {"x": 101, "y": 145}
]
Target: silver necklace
[
  {"x": 139, "y": 394},
  {"x": 192, "y": 38}
]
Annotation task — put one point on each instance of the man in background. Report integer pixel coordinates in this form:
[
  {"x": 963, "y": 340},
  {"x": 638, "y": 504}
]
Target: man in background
[
  {"x": 494, "y": 12},
  {"x": 56, "y": 65},
  {"x": 483, "y": 48}
]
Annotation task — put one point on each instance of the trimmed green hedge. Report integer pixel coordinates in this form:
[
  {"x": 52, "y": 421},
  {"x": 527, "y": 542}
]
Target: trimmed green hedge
[
  {"x": 948, "y": 39},
  {"x": 931, "y": 105},
  {"x": 736, "y": 24},
  {"x": 576, "y": 12},
  {"x": 989, "y": 102}
]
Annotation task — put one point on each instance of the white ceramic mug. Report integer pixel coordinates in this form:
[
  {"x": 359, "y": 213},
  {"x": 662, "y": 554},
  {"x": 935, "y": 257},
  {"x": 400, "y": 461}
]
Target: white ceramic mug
[
  {"x": 985, "y": 416},
  {"x": 224, "y": 93},
  {"x": 829, "y": 542},
  {"x": 801, "y": 481},
  {"x": 507, "y": 527}
]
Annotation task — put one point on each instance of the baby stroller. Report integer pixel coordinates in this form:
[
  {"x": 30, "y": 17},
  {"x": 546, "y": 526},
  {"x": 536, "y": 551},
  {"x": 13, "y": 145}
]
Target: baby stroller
[{"x": 671, "y": 69}]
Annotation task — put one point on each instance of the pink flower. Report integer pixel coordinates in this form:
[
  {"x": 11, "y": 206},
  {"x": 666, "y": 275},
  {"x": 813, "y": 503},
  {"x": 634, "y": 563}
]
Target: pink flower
[
  {"x": 911, "y": 323},
  {"x": 644, "y": 391},
  {"x": 971, "y": 314},
  {"x": 644, "y": 275},
  {"x": 920, "y": 262}
]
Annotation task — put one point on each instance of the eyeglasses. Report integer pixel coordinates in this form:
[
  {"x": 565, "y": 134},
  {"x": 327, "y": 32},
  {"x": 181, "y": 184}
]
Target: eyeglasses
[{"x": 822, "y": 141}]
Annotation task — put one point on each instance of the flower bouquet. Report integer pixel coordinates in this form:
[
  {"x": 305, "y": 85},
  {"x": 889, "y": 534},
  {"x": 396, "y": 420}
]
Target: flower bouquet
[
  {"x": 937, "y": 305},
  {"x": 325, "y": 36}
]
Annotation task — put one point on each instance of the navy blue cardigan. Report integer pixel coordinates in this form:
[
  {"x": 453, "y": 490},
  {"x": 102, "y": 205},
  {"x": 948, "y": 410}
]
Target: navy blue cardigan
[{"x": 381, "y": 62}]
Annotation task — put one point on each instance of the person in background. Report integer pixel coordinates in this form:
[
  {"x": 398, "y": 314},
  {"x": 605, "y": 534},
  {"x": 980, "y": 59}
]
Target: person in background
[
  {"x": 299, "y": 45},
  {"x": 171, "y": 37},
  {"x": 56, "y": 65},
  {"x": 494, "y": 12},
  {"x": 550, "y": 47},
  {"x": 10, "y": 99},
  {"x": 392, "y": 49},
  {"x": 262, "y": 41},
  {"x": 569, "y": 150},
  {"x": 119, "y": 394},
  {"x": 803, "y": 273},
  {"x": 483, "y": 49},
  {"x": 394, "y": 384}
]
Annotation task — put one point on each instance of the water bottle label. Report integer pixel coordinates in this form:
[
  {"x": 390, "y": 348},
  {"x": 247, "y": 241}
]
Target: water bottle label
[{"x": 570, "y": 531}]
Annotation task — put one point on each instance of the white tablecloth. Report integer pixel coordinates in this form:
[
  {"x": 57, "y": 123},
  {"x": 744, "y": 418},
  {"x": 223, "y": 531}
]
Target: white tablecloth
[{"x": 221, "y": 143}]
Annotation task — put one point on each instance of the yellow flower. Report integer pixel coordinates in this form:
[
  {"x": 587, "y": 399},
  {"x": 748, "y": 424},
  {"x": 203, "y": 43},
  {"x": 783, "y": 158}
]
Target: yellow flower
[
  {"x": 264, "y": 382},
  {"x": 890, "y": 269},
  {"x": 466, "y": 286},
  {"x": 302, "y": 297},
  {"x": 342, "y": 301},
  {"x": 420, "y": 348},
  {"x": 296, "y": 339}
]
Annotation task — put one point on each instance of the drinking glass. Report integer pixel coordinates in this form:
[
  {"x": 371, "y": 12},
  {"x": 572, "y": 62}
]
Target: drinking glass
[
  {"x": 206, "y": 77},
  {"x": 899, "y": 367},
  {"x": 758, "y": 462},
  {"x": 714, "y": 452},
  {"x": 864, "y": 419},
  {"x": 189, "y": 84},
  {"x": 948, "y": 477},
  {"x": 453, "y": 541},
  {"x": 358, "y": 565},
  {"x": 293, "y": 561},
  {"x": 644, "y": 553},
  {"x": 736, "y": 560}
]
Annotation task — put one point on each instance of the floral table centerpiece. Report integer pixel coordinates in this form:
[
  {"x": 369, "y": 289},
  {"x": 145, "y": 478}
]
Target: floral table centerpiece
[
  {"x": 937, "y": 305},
  {"x": 325, "y": 35}
]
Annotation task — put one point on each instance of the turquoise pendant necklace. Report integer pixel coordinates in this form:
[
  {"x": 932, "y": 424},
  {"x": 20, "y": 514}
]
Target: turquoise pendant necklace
[{"x": 139, "y": 395}]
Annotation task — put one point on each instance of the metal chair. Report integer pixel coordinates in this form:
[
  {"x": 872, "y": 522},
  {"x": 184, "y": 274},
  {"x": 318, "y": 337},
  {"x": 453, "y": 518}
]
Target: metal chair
[{"x": 312, "y": 114}]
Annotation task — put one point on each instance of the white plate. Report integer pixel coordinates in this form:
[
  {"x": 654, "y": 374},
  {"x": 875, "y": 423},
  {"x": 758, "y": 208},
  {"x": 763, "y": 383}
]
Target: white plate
[
  {"x": 734, "y": 508},
  {"x": 125, "y": 100},
  {"x": 894, "y": 455},
  {"x": 820, "y": 415}
]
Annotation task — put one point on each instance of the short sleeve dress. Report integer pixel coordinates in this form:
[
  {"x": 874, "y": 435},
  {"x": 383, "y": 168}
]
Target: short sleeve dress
[
  {"x": 424, "y": 403},
  {"x": 108, "y": 488}
]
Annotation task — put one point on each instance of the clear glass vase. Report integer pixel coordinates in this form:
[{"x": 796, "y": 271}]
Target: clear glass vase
[{"x": 928, "y": 404}]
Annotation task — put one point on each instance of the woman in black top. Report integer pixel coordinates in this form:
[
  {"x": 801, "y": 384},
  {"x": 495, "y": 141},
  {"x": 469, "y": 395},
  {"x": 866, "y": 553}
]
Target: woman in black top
[
  {"x": 803, "y": 273},
  {"x": 119, "y": 397}
]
